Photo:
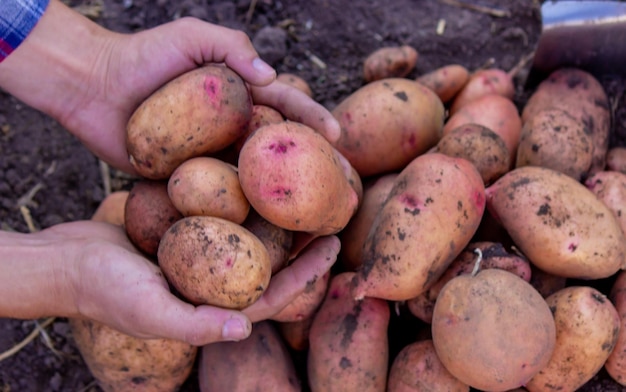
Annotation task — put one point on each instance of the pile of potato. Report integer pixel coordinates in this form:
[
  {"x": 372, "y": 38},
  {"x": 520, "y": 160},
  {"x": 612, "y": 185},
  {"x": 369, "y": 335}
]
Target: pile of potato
[{"x": 486, "y": 226}]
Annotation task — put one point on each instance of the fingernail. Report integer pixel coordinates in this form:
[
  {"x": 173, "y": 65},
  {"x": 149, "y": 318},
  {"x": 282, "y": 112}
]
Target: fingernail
[
  {"x": 235, "y": 329},
  {"x": 262, "y": 67}
]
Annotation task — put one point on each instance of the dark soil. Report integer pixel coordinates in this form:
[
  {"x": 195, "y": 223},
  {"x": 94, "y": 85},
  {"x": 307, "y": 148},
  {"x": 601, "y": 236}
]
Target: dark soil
[{"x": 46, "y": 170}]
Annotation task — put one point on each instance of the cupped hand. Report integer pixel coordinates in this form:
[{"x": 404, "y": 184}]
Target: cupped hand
[
  {"x": 116, "y": 285},
  {"x": 131, "y": 67}
]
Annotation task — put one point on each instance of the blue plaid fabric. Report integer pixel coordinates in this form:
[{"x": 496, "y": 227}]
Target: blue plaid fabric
[{"x": 17, "y": 19}]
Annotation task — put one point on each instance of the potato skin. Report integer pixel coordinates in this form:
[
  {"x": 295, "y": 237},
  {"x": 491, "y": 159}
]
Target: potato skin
[
  {"x": 492, "y": 81},
  {"x": 208, "y": 186},
  {"x": 148, "y": 213},
  {"x": 348, "y": 345},
  {"x": 277, "y": 240},
  {"x": 615, "y": 364},
  {"x": 417, "y": 368},
  {"x": 121, "y": 362},
  {"x": 295, "y": 81},
  {"x": 445, "y": 81},
  {"x": 493, "y": 331},
  {"x": 616, "y": 159},
  {"x": 260, "y": 362},
  {"x": 610, "y": 187},
  {"x": 111, "y": 209},
  {"x": 306, "y": 304},
  {"x": 214, "y": 261},
  {"x": 492, "y": 255},
  {"x": 296, "y": 333},
  {"x": 387, "y": 123},
  {"x": 587, "y": 327},
  {"x": 261, "y": 115},
  {"x": 554, "y": 139},
  {"x": 479, "y": 145},
  {"x": 389, "y": 62},
  {"x": 293, "y": 178},
  {"x": 430, "y": 215},
  {"x": 557, "y": 223},
  {"x": 200, "y": 112}
]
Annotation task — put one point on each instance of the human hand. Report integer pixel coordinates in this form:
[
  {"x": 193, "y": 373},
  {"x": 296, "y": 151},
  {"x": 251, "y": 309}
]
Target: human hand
[
  {"x": 93, "y": 79},
  {"x": 114, "y": 284}
]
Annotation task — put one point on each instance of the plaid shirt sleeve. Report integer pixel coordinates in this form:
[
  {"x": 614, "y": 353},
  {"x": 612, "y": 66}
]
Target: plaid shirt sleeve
[{"x": 17, "y": 19}]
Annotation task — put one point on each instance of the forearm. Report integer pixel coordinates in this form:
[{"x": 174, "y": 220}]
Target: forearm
[
  {"x": 34, "y": 277},
  {"x": 49, "y": 70}
]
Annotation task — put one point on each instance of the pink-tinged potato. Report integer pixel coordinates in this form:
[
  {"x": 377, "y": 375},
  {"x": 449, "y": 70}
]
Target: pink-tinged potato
[
  {"x": 306, "y": 304},
  {"x": 111, "y": 209},
  {"x": 484, "y": 82},
  {"x": 432, "y": 211},
  {"x": 277, "y": 240},
  {"x": 260, "y": 362},
  {"x": 492, "y": 255},
  {"x": 616, "y": 159},
  {"x": 492, "y": 330},
  {"x": 389, "y": 62},
  {"x": 555, "y": 140},
  {"x": 295, "y": 81},
  {"x": 348, "y": 345},
  {"x": 208, "y": 186},
  {"x": 587, "y": 328},
  {"x": 615, "y": 364},
  {"x": 558, "y": 223},
  {"x": 495, "y": 112},
  {"x": 354, "y": 234},
  {"x": 610, "y": 187},
  {"x": 387, "y": 123},
  {"x": 216, "y": 262},
  {"x": 293, "y": 177},
  {"x": 120, "y": 362},
  {"x": 545, "y": 283},
  {"x": 296, "y": 333},
  {"x": 479, "y": 145},
  {"x": 195, "y": 114},
  {"x": 261, "y": 115},
  {"x": 417, "y": 368},
  {"x": 580, "y": 95},
  {"x": 148, "y": 213},
  {"x": 445, "y": 81}
]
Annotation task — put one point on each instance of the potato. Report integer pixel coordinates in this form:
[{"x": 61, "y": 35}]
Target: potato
[
  {"x": 554, "y": 139},
  {"x": 208, "y": 186},
  {"x": 353, "y": 235},
  {"x": 417, "y": 368},
  {"x": 111, "y": 209},
  {"x": 430, "y": 215},
  {"x": 148, "y": 213},
  {"x": 445, "y": 81},
  {"x": 121, "y": 362},
  {"x": 581, "y": 95},
  {"x": 260, "y": 362},
  {"x": 484, "y": 82},
  {"x": 387, "y": 123},
  {"x": 389, "y": 62},
  {"x": 214, "y": 261},
  {"x": 616, "y": 159},
  {"x": 610, "y": 187},
  {"x": 200, "y": 112},
  {"x": 587, "y": 327},
  {"x": 545, "y": 283},
  {"x": 293, "y": 177},
  {"x": 495, "y": 112},
  {"x": 348, "y": 345},
  {"x": 261, "y": 115},
  {"x": 492, "y": 255},
  {"x": 277, "y": 240},
  {"x": 479, "y": 145},
  {"x": 615, "y": 364},
  {"x": 493, "y": 330},
  {"x": 296, "y": 82},
  {"x": 557, "y": 223},
  {"x": 296, "y": 333},
  {"x": 306, "y": 304}
]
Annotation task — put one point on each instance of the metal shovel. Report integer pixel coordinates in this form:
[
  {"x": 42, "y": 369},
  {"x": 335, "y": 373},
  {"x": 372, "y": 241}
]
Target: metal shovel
[{"x": 586, "y": 34}]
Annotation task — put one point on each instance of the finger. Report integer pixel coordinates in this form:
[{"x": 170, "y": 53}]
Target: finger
[
  {"x": 297, "y": 106},
  {"x": 315, "y": 261}
]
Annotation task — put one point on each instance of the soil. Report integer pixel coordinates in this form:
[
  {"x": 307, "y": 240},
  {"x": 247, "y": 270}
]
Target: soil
[{"x": 55, "y": 179}]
